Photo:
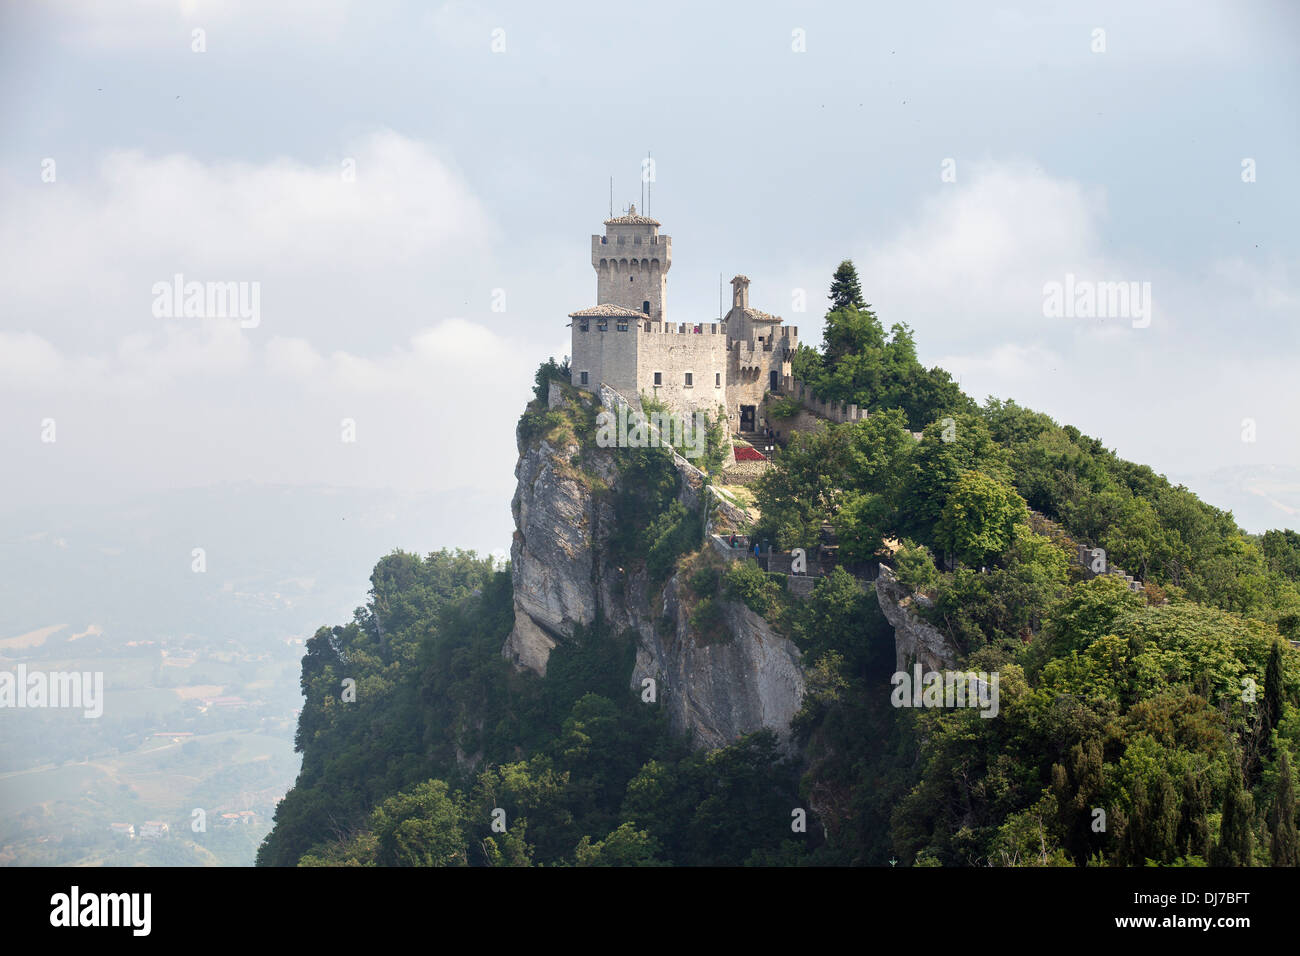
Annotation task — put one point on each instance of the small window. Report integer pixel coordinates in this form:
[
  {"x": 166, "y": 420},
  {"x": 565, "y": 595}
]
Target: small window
[
  {"x": 584, "y": 326},
  {"x": 689, "y": 380},
  {"x": 582, "y": 378},
  {"x": 631, "y": 278},
  {"x": 659, "y": 378},
  {"x": 645, "y": 306},
  {"x": 622, "y": 325},
  {"x": 717, "y": 380}
]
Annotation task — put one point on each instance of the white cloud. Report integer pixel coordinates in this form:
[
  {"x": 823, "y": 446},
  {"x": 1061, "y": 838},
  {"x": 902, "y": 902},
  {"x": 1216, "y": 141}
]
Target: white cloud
[
  {"x": 969, "y": 270},
  {"x": 346, "y": 269},
  {"x": 84, "y": 254}
]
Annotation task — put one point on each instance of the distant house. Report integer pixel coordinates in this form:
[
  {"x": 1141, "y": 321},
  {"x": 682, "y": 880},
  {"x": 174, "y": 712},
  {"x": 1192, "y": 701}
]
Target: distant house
[
  {"x": 223, "y": 702},
  {"x": 179, "y": 658},
  {"x": 122, "y": 829},
  {"x": 241, "y": 817},
  {"x": 153, "y": 830}
]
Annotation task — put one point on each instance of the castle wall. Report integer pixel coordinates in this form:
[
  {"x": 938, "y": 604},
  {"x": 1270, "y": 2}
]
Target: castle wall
[
  {"x": 672, "y": 350},
  {"x": 609, "y": 356}
]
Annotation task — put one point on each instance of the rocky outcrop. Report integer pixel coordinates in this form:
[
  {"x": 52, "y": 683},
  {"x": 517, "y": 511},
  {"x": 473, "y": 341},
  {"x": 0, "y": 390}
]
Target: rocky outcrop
[
  {"x": 552, "y": 556},
  {"x": 564, "y": 577},
  {"x": 915, "y": 640},
  {"x": 717, "y": 692}
]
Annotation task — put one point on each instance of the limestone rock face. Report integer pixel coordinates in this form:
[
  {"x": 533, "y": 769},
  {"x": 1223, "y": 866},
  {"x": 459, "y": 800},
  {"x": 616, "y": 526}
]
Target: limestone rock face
[
  {"x": 718, "y": 692},
  {"x": 915, "y": 640},
  {"x": 552, "y": 555},
  {"x": 564, "y": 576}
]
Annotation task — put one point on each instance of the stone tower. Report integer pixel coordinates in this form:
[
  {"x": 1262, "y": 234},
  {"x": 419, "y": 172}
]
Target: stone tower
[{"x": 631, "y": 261}]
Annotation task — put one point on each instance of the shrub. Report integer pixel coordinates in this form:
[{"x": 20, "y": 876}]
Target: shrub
[
  {"x": 546, "y": 372},
  {"x": 704, "y": 581},
  {"x": 707, "y": 622},
  {"x": 747, "y": 582},
  {"x": 914, "y": 566},
  {"x": 786, "y": 407}
]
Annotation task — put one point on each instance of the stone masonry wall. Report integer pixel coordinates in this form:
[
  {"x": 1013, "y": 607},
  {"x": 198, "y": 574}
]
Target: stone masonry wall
[{"x": 677, "y": 351}]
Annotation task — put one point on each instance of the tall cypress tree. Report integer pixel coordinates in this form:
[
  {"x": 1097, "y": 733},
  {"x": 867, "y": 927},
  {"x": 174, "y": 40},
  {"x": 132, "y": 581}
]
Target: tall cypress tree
[
  {"x": 845, "y": 289},
  {"x": 1137, "y": 829},
  {"x": 1285, "y": 845},
  {"x": 1194, "y": 827},
  {"x": 1273, "y": 686},
  {"x": 1236, "y": 846},
  {"x": 1164, "y": 820}
]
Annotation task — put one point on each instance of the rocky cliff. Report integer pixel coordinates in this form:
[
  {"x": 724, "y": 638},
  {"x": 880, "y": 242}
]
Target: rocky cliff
[
  {"x": 915, "y": 640},
  {"x": 564, "y": 576}
]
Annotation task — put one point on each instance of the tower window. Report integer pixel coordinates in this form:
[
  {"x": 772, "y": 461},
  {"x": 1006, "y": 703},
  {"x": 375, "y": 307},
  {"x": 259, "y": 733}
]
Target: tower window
[
  {"x": 622, "y": 325},
  {"x": 645, "y": 306},
  {"x": 689, "y": 380},
  {"x": 659, "y": 378},
  {"x": 717, "y": 380},
  {"x": 584, "y": 326},
  {"x": 631, "y": 278},
  {"x": 582, "y": 378}
]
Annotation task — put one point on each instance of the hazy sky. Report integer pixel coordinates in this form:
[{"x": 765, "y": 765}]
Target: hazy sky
[{"x": 380, "y": 168}]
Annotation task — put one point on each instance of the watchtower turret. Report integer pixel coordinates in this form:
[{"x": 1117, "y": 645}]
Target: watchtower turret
[{"x": 632, "y": 261}]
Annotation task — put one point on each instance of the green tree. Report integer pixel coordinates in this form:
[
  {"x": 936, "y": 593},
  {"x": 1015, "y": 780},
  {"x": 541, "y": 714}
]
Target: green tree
[
  {"x": 1281, "y": 550},
  {"x": 625, "y": 846},
  {"x": 423, "y": 826},
  {"x": 1273, "y": 687},
  {"x": 979, "y": 518},
  {"x": 946, "y": 450},
  {"x": 1194, "y": 825},
  {"x": 1285, "y": 847},
  {"x": 915, "y": 568},
  {"x": 846, "y": 291},
  {"x": 806, "y": 490},
  {"x": 1236, "y": 846}
]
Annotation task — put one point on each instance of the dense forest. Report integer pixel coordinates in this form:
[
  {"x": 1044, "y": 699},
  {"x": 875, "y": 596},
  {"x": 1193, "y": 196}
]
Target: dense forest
[{"x": 1135, "y": 727}]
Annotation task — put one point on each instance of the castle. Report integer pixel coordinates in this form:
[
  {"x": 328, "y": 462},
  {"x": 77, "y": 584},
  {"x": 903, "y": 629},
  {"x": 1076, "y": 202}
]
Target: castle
[{"x": 626, "y": 342}]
